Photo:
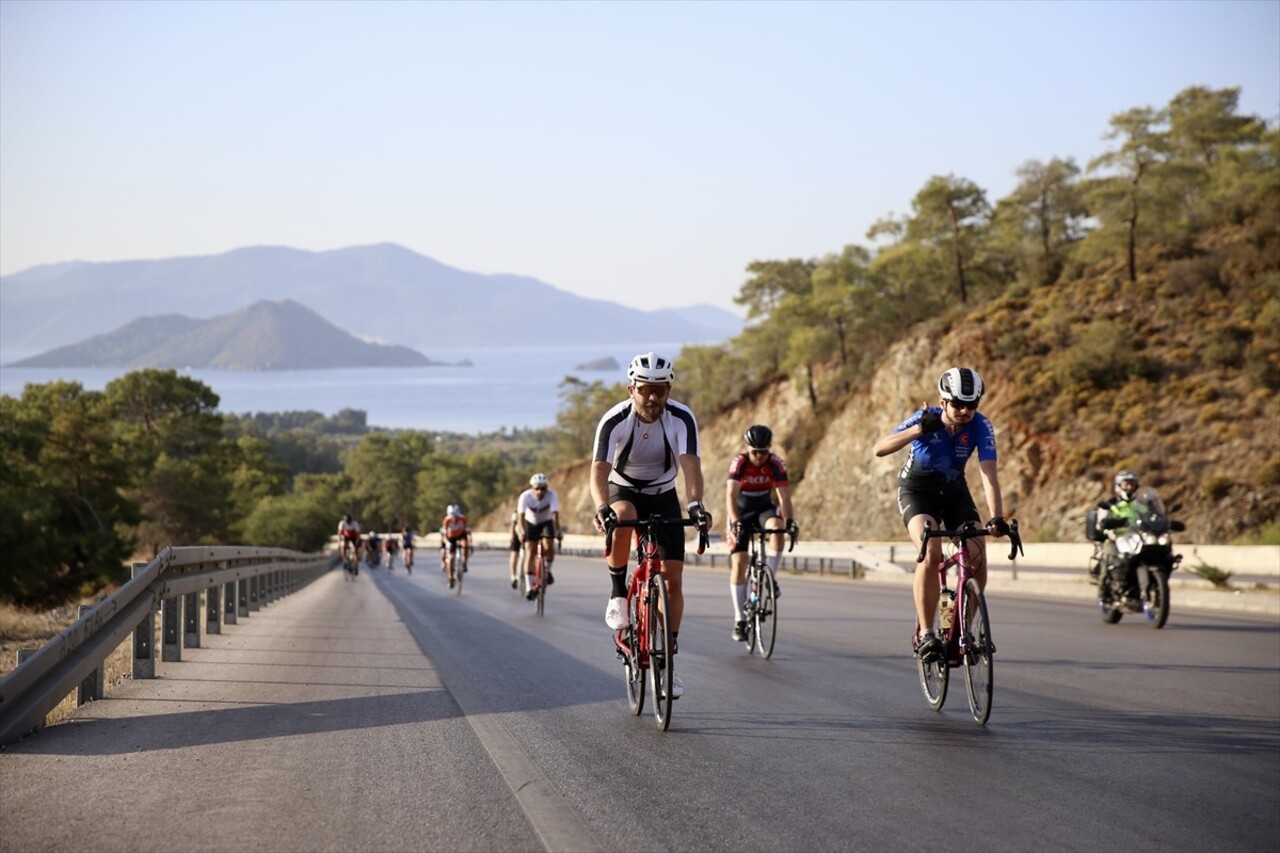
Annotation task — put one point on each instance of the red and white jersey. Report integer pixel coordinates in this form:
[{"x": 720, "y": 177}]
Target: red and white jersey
[
  {"x": 454, "y": 526},
  {"x": 758, "y": 480},
  {"x": 349, "y": 531}
]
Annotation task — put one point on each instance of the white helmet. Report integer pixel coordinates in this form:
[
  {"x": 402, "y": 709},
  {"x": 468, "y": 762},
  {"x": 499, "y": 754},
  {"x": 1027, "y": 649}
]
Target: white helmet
[
  {"x": 538, "y": 481},
  {"x": 650, "y": 367},
  {"x": 961, "y": 384},
  {"x": 454, "y": 509}
]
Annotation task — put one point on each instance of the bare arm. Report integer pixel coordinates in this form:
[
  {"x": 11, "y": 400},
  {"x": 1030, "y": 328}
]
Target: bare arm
[
  {"x": 731, "y": 500},
  {"x": 895, "y": 441},
  {"x": 784, "y": 499},
  {"x": 600, "y": 482},
  {"x": 692, "y": 467},
  {"x": 991, "y": 486}
]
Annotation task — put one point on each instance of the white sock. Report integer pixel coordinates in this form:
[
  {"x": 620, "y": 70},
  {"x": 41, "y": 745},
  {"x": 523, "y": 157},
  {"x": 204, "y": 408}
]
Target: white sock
[
  {"x": 774, "y": 560},
  {"x": 739, "y": 591}
]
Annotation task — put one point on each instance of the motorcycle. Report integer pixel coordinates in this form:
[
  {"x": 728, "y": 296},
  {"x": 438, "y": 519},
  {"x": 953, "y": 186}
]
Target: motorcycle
[{"x": 1133, "y": 561}]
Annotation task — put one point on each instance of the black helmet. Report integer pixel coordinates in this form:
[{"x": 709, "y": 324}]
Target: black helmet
[{"x": 758, "y": 437}]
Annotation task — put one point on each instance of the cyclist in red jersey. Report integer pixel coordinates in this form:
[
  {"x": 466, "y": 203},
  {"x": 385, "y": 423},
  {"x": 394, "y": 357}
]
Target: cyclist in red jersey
[{"x": 753, "y": 477}]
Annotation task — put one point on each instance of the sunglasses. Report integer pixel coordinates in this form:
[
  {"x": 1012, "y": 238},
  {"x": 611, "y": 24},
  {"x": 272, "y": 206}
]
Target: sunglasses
[
  {"x": 962, "y": 406},
  {"x": 652, "y": 390},
  {"x": 758, "y": 451}
]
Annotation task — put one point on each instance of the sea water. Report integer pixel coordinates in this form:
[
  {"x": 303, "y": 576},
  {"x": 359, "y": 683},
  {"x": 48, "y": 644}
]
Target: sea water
[{"x": 503, "y": 387}]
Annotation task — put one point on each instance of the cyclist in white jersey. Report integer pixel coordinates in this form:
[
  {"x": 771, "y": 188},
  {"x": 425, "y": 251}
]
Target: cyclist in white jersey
[
  {"x": 641, "y": 445},
  {"x": 539, "y": 511}
]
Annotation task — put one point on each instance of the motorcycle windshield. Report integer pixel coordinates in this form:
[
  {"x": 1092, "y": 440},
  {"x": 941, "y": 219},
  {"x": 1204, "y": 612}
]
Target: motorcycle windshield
[{"x": 1148, "y": 497}]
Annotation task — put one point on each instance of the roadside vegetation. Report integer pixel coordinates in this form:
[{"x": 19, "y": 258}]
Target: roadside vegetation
[{"x": 1133, "y": 303}]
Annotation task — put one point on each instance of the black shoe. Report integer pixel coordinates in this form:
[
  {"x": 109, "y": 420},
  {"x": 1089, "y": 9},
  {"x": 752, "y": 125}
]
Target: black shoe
[
  {"x": 450, "y": 583},
  {"x": 928, "y": 648},
  {"x": 777, "y": 591},
  {"x": 550, "y": 578},
  {"x": 514, "y": 583},
  {"x": 531, "y": 594},
  {"x": 740, "y": 631}
]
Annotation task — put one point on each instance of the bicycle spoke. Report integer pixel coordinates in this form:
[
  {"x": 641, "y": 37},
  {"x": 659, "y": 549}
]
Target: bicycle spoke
[{"x": 977, "y": 661}]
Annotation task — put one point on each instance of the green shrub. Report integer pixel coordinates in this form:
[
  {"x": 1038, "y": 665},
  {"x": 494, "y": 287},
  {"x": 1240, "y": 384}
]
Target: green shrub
[{"x": 1215, "y": 487}]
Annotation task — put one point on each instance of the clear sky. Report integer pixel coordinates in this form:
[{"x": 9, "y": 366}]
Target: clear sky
[{"x": 643, "y": 153}]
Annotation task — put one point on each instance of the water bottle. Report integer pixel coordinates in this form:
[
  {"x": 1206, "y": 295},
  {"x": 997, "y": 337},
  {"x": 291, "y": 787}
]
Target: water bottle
[{"x": 948, "y": 611}]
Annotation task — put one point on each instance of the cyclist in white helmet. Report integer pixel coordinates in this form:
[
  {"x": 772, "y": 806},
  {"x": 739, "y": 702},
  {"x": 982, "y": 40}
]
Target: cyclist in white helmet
[
  {"x": 641, "y": 445},
  {"x": 932, "y": 489},
  {"x": 539, "y": 510}
]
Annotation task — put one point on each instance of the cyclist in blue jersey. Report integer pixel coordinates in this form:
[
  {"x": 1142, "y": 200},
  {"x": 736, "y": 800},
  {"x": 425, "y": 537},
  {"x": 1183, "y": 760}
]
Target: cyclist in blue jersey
[{"x": 932, "y": 488}]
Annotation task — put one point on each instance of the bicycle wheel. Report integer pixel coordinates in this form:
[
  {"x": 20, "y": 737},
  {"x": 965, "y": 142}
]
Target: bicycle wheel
[
  {"x": 1155, "y": 598},
  {"x": 750, "y": 605},
  {"x": 978, "y": 680},
  {"x": 661, "y": 661},
  {"x": 935, "y": 675},
  {"x": 540, "y": 574},
  {"x": 634, "y": 673},
  {"x": 459, "y": 572},
  {"x": 766, "y": 615}
]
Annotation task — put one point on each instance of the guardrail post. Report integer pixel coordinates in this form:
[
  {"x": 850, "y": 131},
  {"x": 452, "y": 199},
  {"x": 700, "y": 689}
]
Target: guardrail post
[
  {"x": 229, "y": 613},
  {"x": 255, "y": 593},
  {"x": 94, "y": 684},
  {"x": 213, "y": 610},
  {"x": 242, "y": 596},
  {"x": 191, "y": 620},
  {"x": 144, "y": 637},
  {"x": 170, "y": 629}
]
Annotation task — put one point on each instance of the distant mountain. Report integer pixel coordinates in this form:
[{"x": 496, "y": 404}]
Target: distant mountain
[
  {"x": 382, "y": 292},
  {"x": 264, "y": 336}
]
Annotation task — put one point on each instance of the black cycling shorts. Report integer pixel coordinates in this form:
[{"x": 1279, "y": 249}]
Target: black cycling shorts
[
  {"x": 665, "y": 505},
  {"x": 951, "y": 503},
  {"x": 515, "y": 542},
  {"x": 752, "y": 515},
  {"x": 545, "y": 530}
]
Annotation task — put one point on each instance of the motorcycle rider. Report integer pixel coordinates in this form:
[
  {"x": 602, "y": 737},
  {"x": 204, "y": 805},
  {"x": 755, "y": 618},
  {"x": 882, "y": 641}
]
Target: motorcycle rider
[{"x": 1115, "y": 514}]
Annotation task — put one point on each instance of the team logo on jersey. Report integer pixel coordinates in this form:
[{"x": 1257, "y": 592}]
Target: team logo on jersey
[{"x": 964, "y": 438}]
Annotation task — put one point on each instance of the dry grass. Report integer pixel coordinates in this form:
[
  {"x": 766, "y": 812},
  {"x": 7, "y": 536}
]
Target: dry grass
[{"x": 29, "y": 629}]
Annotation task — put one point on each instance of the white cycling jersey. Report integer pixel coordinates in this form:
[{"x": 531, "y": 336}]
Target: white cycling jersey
[
  {"x": 646, "y": 457},
  {"x": 538, "y": 510}
]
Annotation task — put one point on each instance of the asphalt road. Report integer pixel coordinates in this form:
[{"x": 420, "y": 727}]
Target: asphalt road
[{"x": 389, "y": 714}]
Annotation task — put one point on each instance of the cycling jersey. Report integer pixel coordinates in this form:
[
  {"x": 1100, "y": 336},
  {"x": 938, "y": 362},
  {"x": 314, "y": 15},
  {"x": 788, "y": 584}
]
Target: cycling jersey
[
  {"x": 454, "y": 526},
  {"x": 538, "y": 510},
  {"x": 758, "y": 480},
  {"x": 349, "y": 531},
  {"x": 645, "y": 458},
  {"x": 940, "y": 456}
]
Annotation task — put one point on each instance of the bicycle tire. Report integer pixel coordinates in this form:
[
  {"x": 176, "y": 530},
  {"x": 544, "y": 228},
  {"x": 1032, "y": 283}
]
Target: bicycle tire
[
  {"x": 661, "y": 661},
  {"x": 978, "y": 671},
  {"x": 750, "y": 605},
  {"x": 540, "y": 575},
  {"x": 634, "y": 673},
  {"x": 935, "y": 675},
  {"x": 458, "y": 573},
  {"x": 766, "y": 615}
]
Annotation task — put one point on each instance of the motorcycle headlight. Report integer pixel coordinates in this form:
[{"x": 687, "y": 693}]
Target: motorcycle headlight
[{"x": 1163, "y": 539}]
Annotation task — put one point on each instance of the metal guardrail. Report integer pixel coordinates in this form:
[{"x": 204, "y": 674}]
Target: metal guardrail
[{"x": 233, "y": 581}]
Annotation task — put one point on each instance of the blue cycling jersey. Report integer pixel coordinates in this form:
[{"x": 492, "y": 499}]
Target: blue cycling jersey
[{"x": 941, "y": 455}]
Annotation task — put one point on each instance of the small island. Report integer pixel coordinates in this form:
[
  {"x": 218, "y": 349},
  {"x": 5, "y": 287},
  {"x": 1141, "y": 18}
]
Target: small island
[{"x": 608, "y": 362}]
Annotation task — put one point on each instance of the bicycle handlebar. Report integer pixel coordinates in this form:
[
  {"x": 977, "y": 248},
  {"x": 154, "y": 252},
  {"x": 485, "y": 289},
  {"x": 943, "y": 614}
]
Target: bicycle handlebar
[
  {"x": 971, "y": 531},
  {"x": 792, "y": 530},
  {"x": 647, "y": 525}
]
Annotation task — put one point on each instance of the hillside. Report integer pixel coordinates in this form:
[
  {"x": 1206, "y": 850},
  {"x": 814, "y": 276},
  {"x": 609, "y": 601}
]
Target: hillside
[
  {"x": 1176, "y": 376},
  {"x": 264, "y": 336}
]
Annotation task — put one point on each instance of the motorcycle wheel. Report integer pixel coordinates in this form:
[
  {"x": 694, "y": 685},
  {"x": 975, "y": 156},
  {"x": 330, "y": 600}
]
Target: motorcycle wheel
[
  {"x": 1108, "y": 603},
  {"x": 1155, "y": 598}
]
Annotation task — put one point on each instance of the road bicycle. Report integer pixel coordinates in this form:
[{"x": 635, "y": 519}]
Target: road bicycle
[
  {"x": 457, "y": 564},
  {"x": 645, "y": 644},
  {"x": 761, "y": 605},
  {"x": 962, "y": 624},
  {"x": 539, "y": 588}
]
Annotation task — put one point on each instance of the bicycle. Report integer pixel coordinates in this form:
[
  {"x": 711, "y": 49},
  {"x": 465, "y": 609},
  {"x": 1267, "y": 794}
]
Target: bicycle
[
  {"x": 457, "y": 564},
  {"x": 761, "y": 606},
  {"x": 962, "y": 623},
  {"x": 644, "y": 644},
  {"x": 539, "y": 588}
]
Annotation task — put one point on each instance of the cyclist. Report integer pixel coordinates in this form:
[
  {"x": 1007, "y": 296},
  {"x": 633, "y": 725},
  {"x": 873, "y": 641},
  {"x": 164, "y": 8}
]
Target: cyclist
[
  {"x": 753, "y": 476},
  {"x": 641, "y": 444},
  {"x": 539, "y": 511},
  {"x": 455, "y": 537},
  {"x": 1125, "y": 509},
  {"x": 515, "y": 550},
  {"x": 373, "y": 548},
  {"x": 349, "y": 537},
  {"x": 932, "y": 488},
  {"x": 406, "y": 548}
]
